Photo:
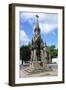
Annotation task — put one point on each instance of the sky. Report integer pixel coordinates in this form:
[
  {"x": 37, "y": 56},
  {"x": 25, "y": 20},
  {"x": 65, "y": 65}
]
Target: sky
[{"x": 48, "y": 23}]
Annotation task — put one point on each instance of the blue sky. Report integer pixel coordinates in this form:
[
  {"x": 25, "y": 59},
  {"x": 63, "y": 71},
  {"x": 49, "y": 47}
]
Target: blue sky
[{"x": 48, "y": 23}]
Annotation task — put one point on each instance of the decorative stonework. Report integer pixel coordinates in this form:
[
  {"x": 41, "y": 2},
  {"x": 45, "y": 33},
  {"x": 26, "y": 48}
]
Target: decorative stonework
[{"x": 40, "y": 56}]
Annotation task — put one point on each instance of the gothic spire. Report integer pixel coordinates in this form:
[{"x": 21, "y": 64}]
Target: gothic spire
[
  {"x": 37, "y": 24},
  {"x": 37, "y": 21}
]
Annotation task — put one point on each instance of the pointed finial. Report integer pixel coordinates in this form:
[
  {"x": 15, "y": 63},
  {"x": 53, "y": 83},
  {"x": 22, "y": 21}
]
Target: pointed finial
[
  {"x": 37, "y": 16},
  {"x": 37, "y": 24},
  {"x": 37, "y": 21}
]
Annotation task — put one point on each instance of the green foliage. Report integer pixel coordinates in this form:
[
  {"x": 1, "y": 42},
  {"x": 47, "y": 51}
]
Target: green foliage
[
  {"x": 25, "y": 53},
  {"x": 53, "y": 51}
]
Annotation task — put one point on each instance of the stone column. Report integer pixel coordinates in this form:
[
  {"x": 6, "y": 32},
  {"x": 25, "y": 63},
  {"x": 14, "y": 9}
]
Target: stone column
[
  {"x": 31, "y": 55},
  {"x": 34, "y": 56},
  {"x": 45, "y": 56},
  {"x": 42, "y": 56},
  {"x": 50, "y": 60}
]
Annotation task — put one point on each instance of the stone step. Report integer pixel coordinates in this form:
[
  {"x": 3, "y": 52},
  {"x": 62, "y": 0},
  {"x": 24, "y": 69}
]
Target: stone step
[
  {"x": 29, "y": 70},
  {"x": 34, "y": 70}
]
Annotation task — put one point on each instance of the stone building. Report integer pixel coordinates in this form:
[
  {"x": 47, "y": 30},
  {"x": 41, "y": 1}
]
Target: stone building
[{"x": 39, "y": 51}]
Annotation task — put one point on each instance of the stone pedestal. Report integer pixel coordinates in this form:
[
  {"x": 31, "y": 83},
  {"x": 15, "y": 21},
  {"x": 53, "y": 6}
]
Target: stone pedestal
[{"x": 38, "y": 65}]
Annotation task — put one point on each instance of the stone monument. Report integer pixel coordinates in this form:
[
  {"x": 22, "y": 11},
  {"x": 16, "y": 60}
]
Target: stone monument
[{"x": 40, "y": 56}]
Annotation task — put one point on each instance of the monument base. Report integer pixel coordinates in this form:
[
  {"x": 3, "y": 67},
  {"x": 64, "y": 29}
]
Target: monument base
[{"x": 38, "y": 66}]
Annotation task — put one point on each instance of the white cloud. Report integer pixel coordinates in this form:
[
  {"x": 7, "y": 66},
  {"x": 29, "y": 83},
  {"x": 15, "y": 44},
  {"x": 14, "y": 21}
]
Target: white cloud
[
  {"x": 24, "y": 40},
  {"x": 48, "y": 17},
  {"x": 47, "y": 21},
  {"x": 46, "y": 28},
  {"x": 28, "y": 17}
]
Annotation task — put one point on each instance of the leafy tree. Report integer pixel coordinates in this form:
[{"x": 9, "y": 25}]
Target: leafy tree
[
  {"x": 53, "y": 51},
  {"x": 25, "y": 53}
]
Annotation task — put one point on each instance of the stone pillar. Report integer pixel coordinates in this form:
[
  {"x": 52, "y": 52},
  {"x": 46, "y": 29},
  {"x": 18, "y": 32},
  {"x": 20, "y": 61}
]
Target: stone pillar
[
  {"x": 50, "y": 60},
  {"x": 45, "y": 57},
  {"x": 42, "y": 56},
  {"x": 35, "y": 64},
  {"x": 34, "y": 56},
  {"x": 31, "y": 55}
]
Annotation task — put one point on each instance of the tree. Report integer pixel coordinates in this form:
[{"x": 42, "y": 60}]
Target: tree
[
  {"x": 53, "y": 51},
  {"x": 25, "y": 53}
]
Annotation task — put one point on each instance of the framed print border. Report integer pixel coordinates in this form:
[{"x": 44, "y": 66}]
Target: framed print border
[{"x": 12, "y": 43}]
